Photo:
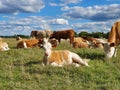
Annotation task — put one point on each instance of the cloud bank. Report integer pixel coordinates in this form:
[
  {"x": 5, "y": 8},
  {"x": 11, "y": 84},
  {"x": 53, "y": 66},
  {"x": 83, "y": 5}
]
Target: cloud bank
[
  {"x": 21, "y": 6},
  {"x": 95, "y": 13}
]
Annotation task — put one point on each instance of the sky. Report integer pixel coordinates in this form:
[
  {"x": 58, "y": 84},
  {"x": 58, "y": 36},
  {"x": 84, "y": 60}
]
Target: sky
[{"x": 23, "y": 16}]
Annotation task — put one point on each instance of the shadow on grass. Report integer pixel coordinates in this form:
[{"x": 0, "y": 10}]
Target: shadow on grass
[
  {"x": 32, "y": 62},
  {"x": 26, "y": 64},
  {"x": 92, "y": 56}
]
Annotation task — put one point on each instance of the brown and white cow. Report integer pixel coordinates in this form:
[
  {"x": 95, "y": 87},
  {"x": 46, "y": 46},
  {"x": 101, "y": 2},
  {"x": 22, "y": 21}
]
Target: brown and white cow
[
  {"x": 110, "y": 47},
  {"x": 38, "y": 34},
  {"x": 60, "y": 57},
  {"x": 64, "y": 34},
  {"x": 94, "y": 42},
  {"x": 79, "y": 42},
  {"x": 31, "y": 43},
  {"x": 3, "y": 45}
]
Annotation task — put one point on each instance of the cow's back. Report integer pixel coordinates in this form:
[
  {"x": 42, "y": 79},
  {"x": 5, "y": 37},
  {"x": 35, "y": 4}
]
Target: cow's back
[
  {"x": 41, "y": 34},
  {"x": 114, "y": 35}
]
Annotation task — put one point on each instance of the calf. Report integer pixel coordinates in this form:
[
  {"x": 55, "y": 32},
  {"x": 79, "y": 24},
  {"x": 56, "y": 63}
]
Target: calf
[{"x": 61, "y": 57}]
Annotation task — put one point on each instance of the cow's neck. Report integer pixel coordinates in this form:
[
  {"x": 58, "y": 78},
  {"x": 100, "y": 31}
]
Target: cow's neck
[{"x": 48, "y": 52}]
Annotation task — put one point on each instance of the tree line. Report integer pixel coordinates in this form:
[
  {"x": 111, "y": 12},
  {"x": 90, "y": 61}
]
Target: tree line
[
  {"x": 92, "y": 34},
  {"x": 81, "y": 34}
]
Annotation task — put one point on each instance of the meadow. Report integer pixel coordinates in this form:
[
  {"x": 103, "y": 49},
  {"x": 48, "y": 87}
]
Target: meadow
[{"x": 21, "y": 69}]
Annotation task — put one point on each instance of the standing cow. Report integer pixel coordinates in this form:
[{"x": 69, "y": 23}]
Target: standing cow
[
  {"x": 41, "y": 34},
  {"x": 65, "y": 34},
  {"x": 113, "y": 40}
]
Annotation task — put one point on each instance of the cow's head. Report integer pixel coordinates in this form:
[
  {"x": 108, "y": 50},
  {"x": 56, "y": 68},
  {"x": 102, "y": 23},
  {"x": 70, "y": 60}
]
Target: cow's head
[
  {"x": 4, "y": 47},
  {"x": 47, "y": 47},
  {"x": 109, "y": 49}
]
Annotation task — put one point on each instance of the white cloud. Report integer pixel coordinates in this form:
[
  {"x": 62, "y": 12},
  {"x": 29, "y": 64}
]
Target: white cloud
[
  {"x": 16, "y": 25},
  {"x": 17, "y": 6},
  {"x": 96, "y": 13},
  {"x": 94, "y": 26},
  {"x": 22, "y": 25},
  {"x": 65, "y": 2},
  {"x": 71, "y": 1},
  {"x": 59, "y": 21},
  {"x": 26, "y": 25}
]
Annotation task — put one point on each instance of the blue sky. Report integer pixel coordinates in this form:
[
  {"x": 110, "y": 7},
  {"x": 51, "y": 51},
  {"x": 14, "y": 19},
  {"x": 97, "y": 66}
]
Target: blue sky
[{"x": 23, "y": 16}]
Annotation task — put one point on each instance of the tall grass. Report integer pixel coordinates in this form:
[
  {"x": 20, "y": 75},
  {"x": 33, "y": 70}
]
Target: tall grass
[{"x": 21, "y": 69}]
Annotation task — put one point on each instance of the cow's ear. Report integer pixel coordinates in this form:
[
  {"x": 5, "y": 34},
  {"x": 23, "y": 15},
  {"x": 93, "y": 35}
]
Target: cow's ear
[{"x": 112, "y": 44}]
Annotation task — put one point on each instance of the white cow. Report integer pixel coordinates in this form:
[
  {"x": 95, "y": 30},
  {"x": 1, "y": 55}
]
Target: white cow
[{"x": 61, "y": 57}]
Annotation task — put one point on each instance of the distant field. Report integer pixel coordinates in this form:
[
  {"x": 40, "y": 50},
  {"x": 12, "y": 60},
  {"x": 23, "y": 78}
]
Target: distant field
[{"x": 21, "y": 69}]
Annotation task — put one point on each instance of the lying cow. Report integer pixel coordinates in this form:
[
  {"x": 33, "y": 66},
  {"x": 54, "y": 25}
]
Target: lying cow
[
  {"x": 61, "y": 57},
  {"x": 79, "y": 42},
  {"x": 31, "y": 43},
  {"x": 94, "y": 42},
  {"x": 3, "y": 45},
  {"x": 110, "y": 47}
]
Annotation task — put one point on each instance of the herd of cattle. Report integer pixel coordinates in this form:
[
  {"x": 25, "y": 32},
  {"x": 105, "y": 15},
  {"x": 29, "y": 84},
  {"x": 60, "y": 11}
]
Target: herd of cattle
[{"x": 55, "y": 37}]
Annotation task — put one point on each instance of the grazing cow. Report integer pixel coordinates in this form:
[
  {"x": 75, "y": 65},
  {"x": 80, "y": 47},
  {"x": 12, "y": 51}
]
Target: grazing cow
[
  {"x": 113, "y": 40},
  {"x": 79, "y": 42},
  {"x": 3, "y": 45},
  {"x": 65, "y": 34},
  {"x": 41, "y": 34},
  {"x": 61, "y": 57}
]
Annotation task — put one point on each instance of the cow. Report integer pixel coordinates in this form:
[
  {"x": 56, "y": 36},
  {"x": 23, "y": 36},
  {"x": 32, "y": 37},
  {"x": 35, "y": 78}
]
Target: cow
[
  {"x": 38, "y": 34},
  {"x": 31, "y": 43},
  {"x": 60, "y": 57},
  {"x": 3, "y": 45},
  {"x": 110, "y": 48},
  {"x": 94, "y": 42},
  {"x": 79, "y": 42},
  {"x": 54, "y": 42},
  {"x": 63, "y": 34}
]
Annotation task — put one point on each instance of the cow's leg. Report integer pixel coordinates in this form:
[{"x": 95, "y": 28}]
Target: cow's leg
[
  {"x": 59, "y": 40},
  {"x": 115, "y": 53},
  {"x": 56, "y": 64},
  {"x": 76, "y": 58},
  {"x": 71, "y": 40}
]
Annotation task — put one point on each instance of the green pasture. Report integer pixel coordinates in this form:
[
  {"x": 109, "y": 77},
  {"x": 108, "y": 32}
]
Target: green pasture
[{"x": 21, "y": 69}]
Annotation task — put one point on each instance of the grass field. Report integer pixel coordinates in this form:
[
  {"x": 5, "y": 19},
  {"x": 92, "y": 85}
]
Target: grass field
[{"x": 21, "y": 69}]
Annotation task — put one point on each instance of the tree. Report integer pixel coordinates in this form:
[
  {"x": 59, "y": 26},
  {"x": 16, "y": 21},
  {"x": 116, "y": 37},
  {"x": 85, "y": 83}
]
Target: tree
[{"x": 83, "y": 33}]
